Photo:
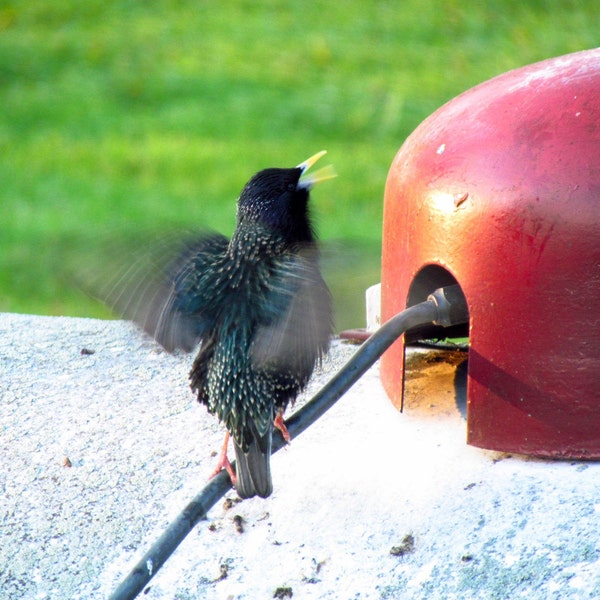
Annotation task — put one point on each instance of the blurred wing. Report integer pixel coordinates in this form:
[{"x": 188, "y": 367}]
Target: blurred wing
[
  {"x": 167, "y": 290},
  {"x": 299, "y": 319}
]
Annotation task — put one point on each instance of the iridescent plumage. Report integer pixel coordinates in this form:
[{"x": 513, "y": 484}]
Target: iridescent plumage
[{"x": 259, "y": 308}]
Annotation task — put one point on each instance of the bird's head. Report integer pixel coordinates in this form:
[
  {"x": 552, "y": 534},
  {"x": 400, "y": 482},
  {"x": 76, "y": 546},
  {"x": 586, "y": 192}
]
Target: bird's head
[{"x": 278, "y": 199}]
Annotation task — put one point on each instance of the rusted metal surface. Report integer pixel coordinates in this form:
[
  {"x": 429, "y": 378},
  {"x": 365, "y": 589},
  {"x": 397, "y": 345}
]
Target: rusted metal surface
[
  {"x": 355, "y": 335},
  {"x": 500, "y": 190}
]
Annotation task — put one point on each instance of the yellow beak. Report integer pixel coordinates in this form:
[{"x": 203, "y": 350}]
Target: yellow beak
[{"x": 323, "y": 174}]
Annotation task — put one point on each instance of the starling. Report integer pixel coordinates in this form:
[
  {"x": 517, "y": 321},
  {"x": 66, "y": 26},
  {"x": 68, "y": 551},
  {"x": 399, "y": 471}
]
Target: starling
[{"x": 259, "y": 309}]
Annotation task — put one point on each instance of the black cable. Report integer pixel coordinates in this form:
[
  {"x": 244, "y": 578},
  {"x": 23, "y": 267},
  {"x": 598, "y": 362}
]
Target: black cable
[{"x": 446, "y": 306}]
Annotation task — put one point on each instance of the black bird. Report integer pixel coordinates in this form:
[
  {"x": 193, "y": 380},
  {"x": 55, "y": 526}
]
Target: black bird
[{"x": 259, "y": 309}]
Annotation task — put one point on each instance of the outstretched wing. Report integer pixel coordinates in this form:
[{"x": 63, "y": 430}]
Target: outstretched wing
[
  {"x": 298, "y": 321},
  {"x": 167, "y": 291}
]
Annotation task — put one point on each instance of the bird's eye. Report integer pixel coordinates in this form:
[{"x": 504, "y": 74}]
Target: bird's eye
[{"x": 290, "y": 187}]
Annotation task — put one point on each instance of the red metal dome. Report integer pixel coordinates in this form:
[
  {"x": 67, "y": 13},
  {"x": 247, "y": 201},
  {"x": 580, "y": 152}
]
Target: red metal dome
[{"x": 499, "y": 190}]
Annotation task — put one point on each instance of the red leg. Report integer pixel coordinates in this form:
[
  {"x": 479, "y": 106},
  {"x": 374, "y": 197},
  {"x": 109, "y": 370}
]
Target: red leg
[
  {"x": 224, "y": 462},
  {"x": 279, "y": 423}
]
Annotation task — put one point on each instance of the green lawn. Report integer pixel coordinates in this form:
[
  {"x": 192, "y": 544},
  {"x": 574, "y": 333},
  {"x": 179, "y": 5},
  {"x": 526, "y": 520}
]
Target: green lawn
[{"x": 123, "y": 119}]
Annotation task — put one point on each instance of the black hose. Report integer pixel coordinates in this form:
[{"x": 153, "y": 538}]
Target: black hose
[{"x": 446, "y": 306}]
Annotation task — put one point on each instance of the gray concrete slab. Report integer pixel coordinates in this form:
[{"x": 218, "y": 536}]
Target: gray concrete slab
[{"x": 349, "y": 493}]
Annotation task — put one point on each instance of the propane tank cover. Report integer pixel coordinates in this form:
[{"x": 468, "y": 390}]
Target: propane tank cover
[{"x": 499, "y": 191}]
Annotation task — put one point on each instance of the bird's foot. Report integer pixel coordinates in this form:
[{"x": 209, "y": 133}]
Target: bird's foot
[
  {"x": 280, "y": 424},
  {"x": 224, "y": 463}
]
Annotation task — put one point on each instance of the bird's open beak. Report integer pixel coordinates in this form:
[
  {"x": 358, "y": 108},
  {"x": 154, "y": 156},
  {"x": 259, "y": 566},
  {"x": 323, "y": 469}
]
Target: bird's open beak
[{"x": 323, "y": 174}]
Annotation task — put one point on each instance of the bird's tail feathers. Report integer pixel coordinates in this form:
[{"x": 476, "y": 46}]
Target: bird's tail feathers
[{"x": 253, "y": 468}]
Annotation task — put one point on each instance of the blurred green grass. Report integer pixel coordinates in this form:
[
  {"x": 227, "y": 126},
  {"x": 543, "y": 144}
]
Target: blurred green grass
[{"x": 122, "y": 119}]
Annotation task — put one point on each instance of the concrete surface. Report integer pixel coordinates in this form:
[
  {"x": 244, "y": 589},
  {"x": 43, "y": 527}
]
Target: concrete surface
[{"x": 102, "y": 445}]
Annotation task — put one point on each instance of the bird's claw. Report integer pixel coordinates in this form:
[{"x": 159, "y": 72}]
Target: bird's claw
[
  {"x": 224, "y": 463},
  {"x": 280, "y": 424}
]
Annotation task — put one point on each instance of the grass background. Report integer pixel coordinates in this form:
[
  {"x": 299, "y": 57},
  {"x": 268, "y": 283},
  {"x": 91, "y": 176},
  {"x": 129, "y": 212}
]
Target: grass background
[{"x": 122, "y": 119}]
